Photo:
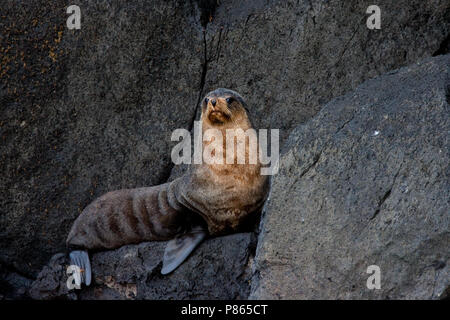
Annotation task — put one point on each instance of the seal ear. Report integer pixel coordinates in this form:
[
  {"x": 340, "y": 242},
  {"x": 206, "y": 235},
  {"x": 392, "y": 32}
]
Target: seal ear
[
  {"x": 244, "y": 105},
  {"x": 178, "y": 249}
]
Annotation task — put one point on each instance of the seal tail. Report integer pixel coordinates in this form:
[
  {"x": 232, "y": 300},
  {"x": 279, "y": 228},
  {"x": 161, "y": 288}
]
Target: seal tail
[
  {"x": 80, "y": 258},
  {"x": 178, "y": 249}
]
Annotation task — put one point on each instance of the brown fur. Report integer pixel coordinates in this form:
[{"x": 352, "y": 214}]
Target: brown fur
[{"x": 224, "y": 195}]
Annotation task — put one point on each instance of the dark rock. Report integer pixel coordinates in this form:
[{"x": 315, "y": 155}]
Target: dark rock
[
  {"x": 88, "y": 111},
  {"x": 13, "y": 285},
  {"x": 219, "y": 269},
  {"x": 288, "y": 58},
  {"x": 51, "y": 282},
  {"x": 366, "y": 182}
]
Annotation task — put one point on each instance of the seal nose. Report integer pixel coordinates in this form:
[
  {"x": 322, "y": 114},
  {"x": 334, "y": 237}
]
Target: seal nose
[{"x": 213, "y": 102}]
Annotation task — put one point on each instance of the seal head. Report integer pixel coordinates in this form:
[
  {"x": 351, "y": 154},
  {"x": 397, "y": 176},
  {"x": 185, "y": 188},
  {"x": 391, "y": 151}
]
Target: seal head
[
  {"x": 227, "y": 193},
  {"x": 222, "y": 106}
]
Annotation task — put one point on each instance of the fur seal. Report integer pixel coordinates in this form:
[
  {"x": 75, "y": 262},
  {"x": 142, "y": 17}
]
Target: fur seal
[{"x": 208, "y": 200}]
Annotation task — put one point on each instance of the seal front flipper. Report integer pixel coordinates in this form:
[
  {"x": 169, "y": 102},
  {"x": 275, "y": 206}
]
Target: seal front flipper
[
  {"x": 80, "y": 258},
  {"x": 178, "y": 249}
]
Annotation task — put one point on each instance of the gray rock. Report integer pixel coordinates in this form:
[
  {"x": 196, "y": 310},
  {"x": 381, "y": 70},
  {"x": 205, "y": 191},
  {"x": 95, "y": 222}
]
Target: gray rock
[
  {"x": 365, "y": 182},
  {"x": 51, "y": 282},
  {"x": 13, "y": 285},
  {"x": 219, "y": 269},
  {"x": 288, "y": 58},
  {"x": 87, "y": 111}
]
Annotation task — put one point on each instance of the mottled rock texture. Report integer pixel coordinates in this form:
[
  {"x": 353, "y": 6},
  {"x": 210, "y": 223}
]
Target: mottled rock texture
[
  {"x": 290, "y": 57},
  {"x": 83, "y": 112},
  {"x": 87, "y": 111},
  {"x": 219, "y": 269},
  {"x": 366, "y": 182}
]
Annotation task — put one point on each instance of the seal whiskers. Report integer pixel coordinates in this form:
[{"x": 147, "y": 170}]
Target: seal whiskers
[{"x": 210, "y": 199}]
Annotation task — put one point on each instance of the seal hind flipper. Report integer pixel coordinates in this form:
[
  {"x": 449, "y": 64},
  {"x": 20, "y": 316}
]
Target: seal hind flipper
[
  {"x": 221, "y": 196},
  {"x": 80, "y": 258},
  {"x": 178, "y": 249}
]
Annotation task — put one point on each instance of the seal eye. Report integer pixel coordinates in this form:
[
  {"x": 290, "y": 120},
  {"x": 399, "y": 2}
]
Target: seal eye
[
  {"x": 206, "y": 100},
  {"x": 230, "y": 100}
]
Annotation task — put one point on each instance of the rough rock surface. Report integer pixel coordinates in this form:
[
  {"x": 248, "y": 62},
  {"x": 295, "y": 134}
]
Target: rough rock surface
[
  {"x": 219, "y": 269},
  {"x": 86, "y": 111},
  {"x": 83, "y": 112},
  {"x": 366, "y": 182},
  {"x": 290, "y": 57}
]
